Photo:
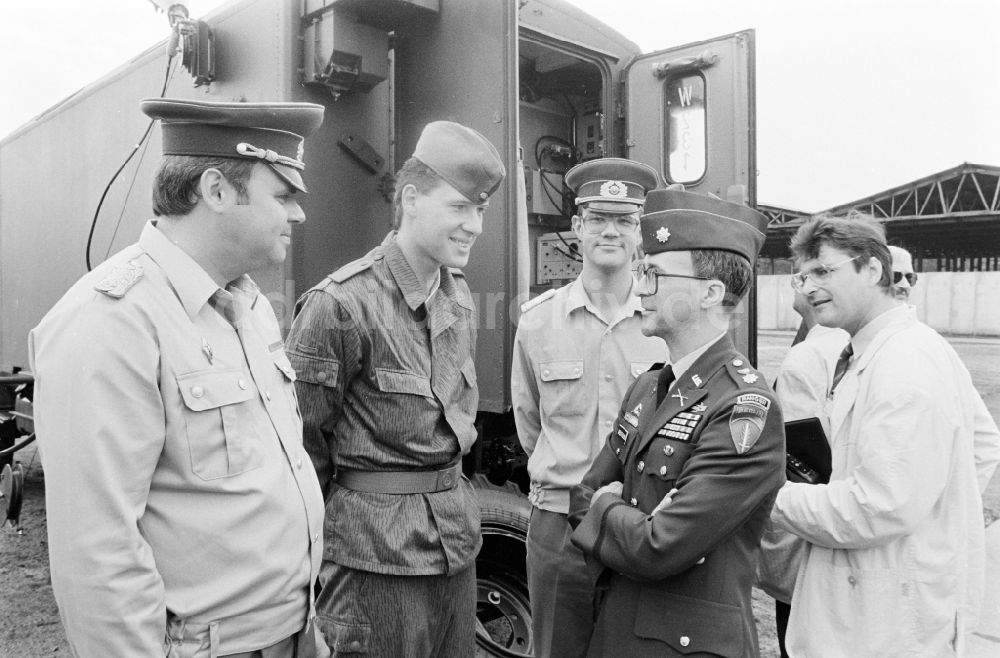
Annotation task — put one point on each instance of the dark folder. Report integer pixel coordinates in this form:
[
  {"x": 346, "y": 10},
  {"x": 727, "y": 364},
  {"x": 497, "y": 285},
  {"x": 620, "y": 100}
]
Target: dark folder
[{"x": 808, "y": 458}]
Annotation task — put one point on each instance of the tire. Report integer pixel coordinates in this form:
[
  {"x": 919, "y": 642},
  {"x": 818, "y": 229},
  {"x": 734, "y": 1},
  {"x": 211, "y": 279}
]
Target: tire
[{"x": 503, "y": 613}]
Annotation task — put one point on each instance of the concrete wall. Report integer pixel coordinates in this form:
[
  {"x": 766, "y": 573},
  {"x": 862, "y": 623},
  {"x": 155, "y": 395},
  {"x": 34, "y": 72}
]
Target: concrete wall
[{"x": 963, "y": 303}]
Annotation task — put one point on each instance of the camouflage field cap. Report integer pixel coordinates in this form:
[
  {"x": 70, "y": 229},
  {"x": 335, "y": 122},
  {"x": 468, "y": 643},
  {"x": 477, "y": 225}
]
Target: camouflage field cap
[{"x": 462, "y": 157}]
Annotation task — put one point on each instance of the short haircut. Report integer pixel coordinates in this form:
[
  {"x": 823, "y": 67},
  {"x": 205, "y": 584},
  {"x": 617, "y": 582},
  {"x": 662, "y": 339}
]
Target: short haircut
[
  {"x": 175, "y": 188},
  {"x": 415, "y": 173},
  {"x": 857, "y": 234},
  {"x": 732, "y": 269}
]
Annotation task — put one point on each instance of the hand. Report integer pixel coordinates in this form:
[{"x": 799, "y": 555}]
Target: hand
[
  {"x": 612, "y": 488},
  {"x": 666, "y": 501}
]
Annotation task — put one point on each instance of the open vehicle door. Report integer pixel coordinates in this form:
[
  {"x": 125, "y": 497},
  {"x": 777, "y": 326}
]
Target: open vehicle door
[{"x": 690, "y": 113}]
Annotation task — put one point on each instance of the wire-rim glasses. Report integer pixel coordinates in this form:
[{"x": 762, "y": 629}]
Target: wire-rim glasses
[
  {"x": 596, "y": 224},
  {"x": 819, "y": 274},
  {"x": 650, "y": 277}
]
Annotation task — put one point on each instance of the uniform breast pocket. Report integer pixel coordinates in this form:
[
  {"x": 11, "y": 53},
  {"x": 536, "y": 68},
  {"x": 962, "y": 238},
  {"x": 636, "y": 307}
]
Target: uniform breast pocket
[
  {"x": 665, "y": 460},
  {"x": 560, "y": 388},
  {"x": 223, "y": 437}
]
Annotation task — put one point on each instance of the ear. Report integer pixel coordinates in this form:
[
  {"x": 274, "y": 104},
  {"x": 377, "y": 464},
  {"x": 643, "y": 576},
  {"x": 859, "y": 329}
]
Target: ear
[
  {"x": 577, "y": 224},
  {"x": 215, "y": 190},
  {"x": 715, "y": 293},
  {"x": 408, "y": 201},
  {"x": 873, "y": 269}
]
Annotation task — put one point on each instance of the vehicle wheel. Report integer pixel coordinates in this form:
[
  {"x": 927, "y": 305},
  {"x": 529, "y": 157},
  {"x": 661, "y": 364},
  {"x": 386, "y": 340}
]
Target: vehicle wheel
[{"x": 503, "y": 615}]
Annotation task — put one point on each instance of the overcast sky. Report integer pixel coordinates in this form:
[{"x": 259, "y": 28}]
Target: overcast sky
[{"x": 853, "y": 96}]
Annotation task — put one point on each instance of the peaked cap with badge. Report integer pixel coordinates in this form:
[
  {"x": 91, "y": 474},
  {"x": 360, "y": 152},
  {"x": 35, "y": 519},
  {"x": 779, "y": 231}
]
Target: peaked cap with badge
[
  {"x": 462, "y": 157},
  {"x": 612, "y": 185},
  {"x": 677, "y": 220},
  {"x": 272, "y": 133}
]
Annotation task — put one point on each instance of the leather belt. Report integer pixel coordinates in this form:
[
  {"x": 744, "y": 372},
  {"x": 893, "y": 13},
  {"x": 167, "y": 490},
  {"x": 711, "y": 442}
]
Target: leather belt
[{"x": 401, "y": 482}]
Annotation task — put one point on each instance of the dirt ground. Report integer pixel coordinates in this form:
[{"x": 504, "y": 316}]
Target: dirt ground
[{"x": 29, "y": 620}]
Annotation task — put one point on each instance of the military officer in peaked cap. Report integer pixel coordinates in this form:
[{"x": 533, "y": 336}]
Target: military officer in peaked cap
[
  {"x": 183, "y": 517},
  {"x": 672, "y": 510},
  {"x": 384, "y": 349},
  {"x": 576, "y": 351}
]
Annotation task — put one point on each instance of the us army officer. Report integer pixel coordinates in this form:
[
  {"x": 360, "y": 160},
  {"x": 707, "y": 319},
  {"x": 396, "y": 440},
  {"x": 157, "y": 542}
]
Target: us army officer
[
  {"x": 183, "y": 517},
  {"x": 672, "y": 510}
]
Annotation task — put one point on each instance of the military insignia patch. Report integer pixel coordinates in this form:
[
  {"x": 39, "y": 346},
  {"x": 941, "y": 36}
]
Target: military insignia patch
[
  {"x": 699, "y": 408},
  {"x": 662, "y": 234},
  {"x": 747, "y": 420},
  {"x": 696, "y": 379},
  {"x": 623, "y": 433},
  {"x": 118, "y": 281}
]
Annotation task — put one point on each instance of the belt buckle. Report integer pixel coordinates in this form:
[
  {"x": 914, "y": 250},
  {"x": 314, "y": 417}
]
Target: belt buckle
[{"x": 446, "y": 479}]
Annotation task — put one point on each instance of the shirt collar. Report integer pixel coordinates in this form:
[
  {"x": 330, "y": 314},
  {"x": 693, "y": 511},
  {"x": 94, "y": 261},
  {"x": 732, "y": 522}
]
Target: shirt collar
[
  {"x": 861, "y": 340},
  {"x": 414, "y": 292},
  {"x": 191, "y": 283},
  {"x": 681, "y": 365},
  {"x": 578, "y": 298}
]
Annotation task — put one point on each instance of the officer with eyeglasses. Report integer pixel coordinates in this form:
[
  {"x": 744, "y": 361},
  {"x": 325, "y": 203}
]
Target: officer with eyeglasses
[
  {"x": 576, "y": 351},
  {"x": 670, "y": 515}
]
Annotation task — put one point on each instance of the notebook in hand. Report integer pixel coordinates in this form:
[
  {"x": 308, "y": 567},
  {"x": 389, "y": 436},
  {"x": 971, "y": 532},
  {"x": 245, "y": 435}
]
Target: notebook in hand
[{"x": 808, "y": 458}]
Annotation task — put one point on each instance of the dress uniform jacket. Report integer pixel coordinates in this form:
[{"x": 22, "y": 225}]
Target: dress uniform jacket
[
  {"x": 677, "y": 581},
  {"x": 386, "y": 382},
  {"x": 183, "y": 516},
  {"x": 896, "y": 539}
]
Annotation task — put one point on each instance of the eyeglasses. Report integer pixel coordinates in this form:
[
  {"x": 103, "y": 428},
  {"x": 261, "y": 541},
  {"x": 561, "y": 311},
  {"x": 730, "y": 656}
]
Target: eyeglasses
[
  {"x": 596, "y": 224},
  {"x": 650, "y": 277},
  {"x": 911, "y": 277},
  {"x": 819, "y": 274}
]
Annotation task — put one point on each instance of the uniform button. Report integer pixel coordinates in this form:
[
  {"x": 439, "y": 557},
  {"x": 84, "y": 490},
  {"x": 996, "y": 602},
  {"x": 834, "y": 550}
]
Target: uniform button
[
  {"x": 298, "y": 464},
  {"x": 321, "y": 376},
  {"x": 668, "y": 450},
  {"x": 634, "y": 502},
  {"x": 242, "y": 384},
  {"x": 685, "y": 640},
  {"x": 618, "y": 451},
  {"x": 355, "y": 646},
  {"x": 545, "y": 373},
  {"x": 663, "y": 470},
  {"x": 608, "y": 378},
  {"x": 737, "y": 363},
  {"x": 576, "y": 371},
  {"x": 607, "y": 423},
  {"x": 640, "y": 466},
  {"x": 267, "y": 395},
  {"x": 852, "y": 580},
  {"x": 197, "y": 391}
]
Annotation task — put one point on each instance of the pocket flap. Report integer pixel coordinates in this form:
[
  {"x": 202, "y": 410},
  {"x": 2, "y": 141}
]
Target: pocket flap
[
  {"x": 397, "y": 381},
  {"x": 284, "y": 365},
  {"x": 314, "y": 369},
  {"x": 561, "y": 370},
  {"x": 689, "y": 625},
  {"x": 210, "y": 389}
]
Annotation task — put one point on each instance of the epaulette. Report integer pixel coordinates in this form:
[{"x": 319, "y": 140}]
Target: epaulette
[
  {"x": 740, "y": 370},
  {"x": 353, "y": 268},
  {"x": 532, "y": 303},
  {"x": 456, "y": 271},
  {"x": 120, "y": 279}
]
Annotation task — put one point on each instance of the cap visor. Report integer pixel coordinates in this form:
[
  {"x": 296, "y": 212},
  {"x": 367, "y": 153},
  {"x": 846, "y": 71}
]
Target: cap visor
[{"x": 290, "y": 175}]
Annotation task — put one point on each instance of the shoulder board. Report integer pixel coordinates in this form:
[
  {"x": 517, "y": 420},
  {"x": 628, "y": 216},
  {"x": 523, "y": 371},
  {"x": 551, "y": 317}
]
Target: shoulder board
[
  {"x": 120, "y": 279},
  {"x": 351, "y": 269},
  {"x": 454, "y": 271},
  {"x": 741, "y": 371},
  {"x": 532, "y": 303}
]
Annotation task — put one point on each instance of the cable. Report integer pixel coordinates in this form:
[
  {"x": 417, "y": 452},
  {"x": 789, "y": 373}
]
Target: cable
[{"x": 93, "y": 224}]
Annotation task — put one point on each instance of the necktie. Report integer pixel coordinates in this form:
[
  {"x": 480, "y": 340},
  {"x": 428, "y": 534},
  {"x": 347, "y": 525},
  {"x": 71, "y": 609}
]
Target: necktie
[
  {"x": 226, "y": 304},
  {"x": 663, "y": 383},
  {"x": 841, "y": 368}
]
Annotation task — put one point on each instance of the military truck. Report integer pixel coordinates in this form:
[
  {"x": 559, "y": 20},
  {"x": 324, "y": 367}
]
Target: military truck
[{"x": 549, "y": 85}]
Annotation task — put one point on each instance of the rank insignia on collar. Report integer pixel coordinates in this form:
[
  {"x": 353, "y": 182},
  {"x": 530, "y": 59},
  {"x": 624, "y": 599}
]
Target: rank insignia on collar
[
  {"x": 750, "y": 378},
  {"x": 121, "y": 277},
  {"x": 622, "y": 433},
  {"x": 696, "y": 379},
  {"x": 747, "y": 420}
]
